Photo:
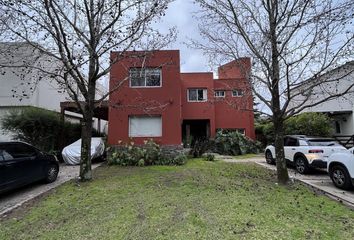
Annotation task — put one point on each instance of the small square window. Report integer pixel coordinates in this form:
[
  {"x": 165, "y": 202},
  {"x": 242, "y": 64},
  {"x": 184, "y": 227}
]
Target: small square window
[
  {"x": 237, "y": 93},
  {"x": 219, "y": 93},
  {"x": 197, "y": 95}
]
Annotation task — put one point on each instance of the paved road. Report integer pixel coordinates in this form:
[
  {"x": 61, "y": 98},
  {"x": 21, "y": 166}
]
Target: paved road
[
  {"x": 318, "y": 179},
  {"x": 16, "y": 198}
]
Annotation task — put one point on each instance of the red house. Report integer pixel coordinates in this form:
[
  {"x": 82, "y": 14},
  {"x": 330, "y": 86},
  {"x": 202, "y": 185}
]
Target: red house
[{"x": 155, "y": 100}]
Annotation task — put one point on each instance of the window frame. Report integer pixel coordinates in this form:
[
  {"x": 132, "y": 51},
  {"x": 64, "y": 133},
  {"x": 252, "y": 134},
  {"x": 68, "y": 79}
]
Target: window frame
[
  {"x": 205, "y": 90},
  {"x": 144, "y": 69},
  {"x": 218, "y": 91},
  {"x": 238, "y": 90}
]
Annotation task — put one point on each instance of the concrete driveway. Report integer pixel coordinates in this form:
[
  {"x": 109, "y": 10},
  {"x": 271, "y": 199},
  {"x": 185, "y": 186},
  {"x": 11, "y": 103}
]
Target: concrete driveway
[
  {"x": 318, "y": 179},
  {"x": 17, "y": 197}
]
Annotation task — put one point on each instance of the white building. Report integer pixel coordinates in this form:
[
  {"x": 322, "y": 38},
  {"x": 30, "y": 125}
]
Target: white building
[
  {"x": 337, "y": 81},
  {"x": 22, "y": 86}
]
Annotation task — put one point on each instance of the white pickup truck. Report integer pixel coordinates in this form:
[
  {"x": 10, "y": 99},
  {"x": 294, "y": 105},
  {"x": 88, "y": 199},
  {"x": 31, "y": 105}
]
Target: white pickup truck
[
  {"x": 341, "y": 169},
  {"x": 305, "y": 152}
]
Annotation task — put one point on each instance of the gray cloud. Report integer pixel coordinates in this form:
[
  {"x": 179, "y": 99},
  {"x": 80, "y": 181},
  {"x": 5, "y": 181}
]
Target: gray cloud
[{"x": 180, "y": 14}]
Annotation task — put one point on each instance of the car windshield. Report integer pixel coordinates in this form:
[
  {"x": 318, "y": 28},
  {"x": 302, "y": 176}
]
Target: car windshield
[{"x": 323, "y": 142}]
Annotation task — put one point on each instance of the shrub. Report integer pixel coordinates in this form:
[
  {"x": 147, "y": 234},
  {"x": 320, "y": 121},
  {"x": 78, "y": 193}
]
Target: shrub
[
  {"x": 234, "y": 143},
  {"x": 209, "y": 157},
  {"x": 311, "y": 124},
  {"x": 41, "y": 128},
  {"x": 199, "y": 147},
  {"x": 148, "y": 154}
]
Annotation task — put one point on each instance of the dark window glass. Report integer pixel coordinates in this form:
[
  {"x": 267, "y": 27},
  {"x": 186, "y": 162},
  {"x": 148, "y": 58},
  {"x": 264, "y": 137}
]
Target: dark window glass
[
  {"x": 237, "y": 93},
  {"x": 192, "y": 94},
  {"x": 291, "y": 142},
  {"x": 200, "y": 95},
  {"x": 20, "y": 150},
  {"x": 337, "y": 124}
]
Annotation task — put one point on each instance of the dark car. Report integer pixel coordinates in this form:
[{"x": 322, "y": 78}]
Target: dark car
[{"x": 21, "y": 164}]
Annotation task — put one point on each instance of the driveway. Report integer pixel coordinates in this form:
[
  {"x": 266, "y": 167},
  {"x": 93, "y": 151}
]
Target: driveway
[
  {"x": 318, "y": 179},
  {"x": 17, "y": 197}
]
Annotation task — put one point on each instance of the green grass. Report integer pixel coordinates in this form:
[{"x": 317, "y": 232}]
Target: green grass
[{"x": 201, "y": 200}]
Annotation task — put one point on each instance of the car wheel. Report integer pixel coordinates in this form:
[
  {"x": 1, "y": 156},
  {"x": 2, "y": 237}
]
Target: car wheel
[
  {"x": 52, "y": 173},
  {"x": 301, "y": 165},
  {"x": 269, "y": 157},
  {"x": 340, "y": 177}
]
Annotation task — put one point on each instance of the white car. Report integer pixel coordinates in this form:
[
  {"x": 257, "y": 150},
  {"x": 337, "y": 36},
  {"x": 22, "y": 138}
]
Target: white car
[
  {"x": 341, "y": 169},
  {"x": 305, "y": 152}
]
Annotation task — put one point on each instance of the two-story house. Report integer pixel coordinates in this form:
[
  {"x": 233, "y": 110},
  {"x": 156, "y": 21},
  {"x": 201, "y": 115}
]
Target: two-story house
[{"x": 155, "y": 100}]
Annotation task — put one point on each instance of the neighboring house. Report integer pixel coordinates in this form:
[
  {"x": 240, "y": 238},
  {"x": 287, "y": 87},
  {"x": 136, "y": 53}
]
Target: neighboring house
[
  {"x": 340, "y": 108},
  {"x": 157, "y": 101},
  {"x": 22, "y": 84}
]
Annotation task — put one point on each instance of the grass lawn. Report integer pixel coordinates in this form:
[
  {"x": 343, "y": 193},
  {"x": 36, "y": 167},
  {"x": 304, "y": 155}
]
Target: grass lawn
[{"x": 201, "y": 200}]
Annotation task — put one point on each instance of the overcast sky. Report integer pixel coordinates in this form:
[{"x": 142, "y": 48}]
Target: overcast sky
[{"x": 180, "y": 14}]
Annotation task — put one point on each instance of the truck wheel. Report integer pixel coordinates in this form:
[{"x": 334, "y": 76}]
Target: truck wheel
[
  {"x": 301, "y": 165},
  {"x": 340, "y": 177},
  {"x": 51, "y": 174},
  {"x": 269, "y": 158}
]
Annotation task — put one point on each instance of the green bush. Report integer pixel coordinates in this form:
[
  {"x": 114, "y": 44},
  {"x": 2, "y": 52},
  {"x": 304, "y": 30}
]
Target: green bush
[
  {"x": 311, "y": 124},
  {"x": 41, "y": 128},
  {"x": 234, "y": 143},
  {"x": 199, "y": 147},
  {"x": 148, "y": 154},
  {"x": 209, "y": 157}
]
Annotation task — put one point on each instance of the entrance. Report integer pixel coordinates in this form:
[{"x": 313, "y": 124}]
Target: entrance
[{"x": 193, "y": 130}]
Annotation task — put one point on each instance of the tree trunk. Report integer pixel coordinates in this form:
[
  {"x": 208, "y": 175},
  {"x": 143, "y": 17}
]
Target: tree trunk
[
  {"x": 86, "y": 134},
  {"x": 282, "y": 171},
  {"x": 278, "y": 114}
]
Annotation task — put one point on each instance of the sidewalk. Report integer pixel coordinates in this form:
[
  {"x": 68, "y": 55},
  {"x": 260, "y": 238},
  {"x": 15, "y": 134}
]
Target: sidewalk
[
  {"x": 319, "y": 180},
  {"x": 17, "y": 197}
]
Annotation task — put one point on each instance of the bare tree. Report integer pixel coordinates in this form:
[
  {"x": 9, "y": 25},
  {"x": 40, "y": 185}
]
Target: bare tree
[
  {"x": 76, "y": 37},
  {"x": 292, "y": 43}
]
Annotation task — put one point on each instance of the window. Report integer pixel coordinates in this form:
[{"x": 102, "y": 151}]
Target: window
[
  {"x": 290, "y": 142},
  {"x": 237, "y": 93},
  {"x": 20, "y": 150},
  {"x": 219, "y": 93},
  {"x": 197, "y": 95},
  {"x": 145, "y": 77},
  {"x": 337, "y": 125},
  {"x": 145, "y": 126}
]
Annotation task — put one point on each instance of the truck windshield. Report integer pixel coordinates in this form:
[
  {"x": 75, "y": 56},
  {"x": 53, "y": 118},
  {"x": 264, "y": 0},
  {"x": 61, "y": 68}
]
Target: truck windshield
[{"x": 323, "y": 142}]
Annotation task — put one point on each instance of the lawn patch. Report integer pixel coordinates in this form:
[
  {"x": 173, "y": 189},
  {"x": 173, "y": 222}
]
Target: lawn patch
[{"x": 200, "y": 200}]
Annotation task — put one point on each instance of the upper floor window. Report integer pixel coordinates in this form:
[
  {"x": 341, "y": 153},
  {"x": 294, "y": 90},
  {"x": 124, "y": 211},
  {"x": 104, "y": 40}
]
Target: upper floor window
[
  {"x": 145, "y": 77},
  {"x": 219, "y": 93},
  {"x": 237, "y": 93},
  {"x": 197, "y": 95}
]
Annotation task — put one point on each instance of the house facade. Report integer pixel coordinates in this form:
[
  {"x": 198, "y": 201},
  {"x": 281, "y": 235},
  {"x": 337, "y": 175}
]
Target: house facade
[
  {"x": 338, "y": 82},
  {"x": 155, "y": 100},
  {"x": 22, "y": 84}
]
